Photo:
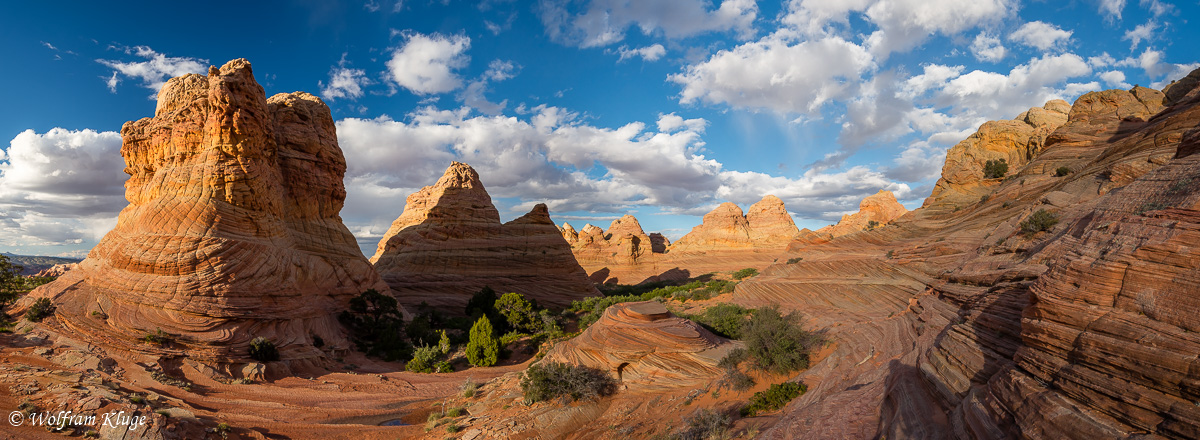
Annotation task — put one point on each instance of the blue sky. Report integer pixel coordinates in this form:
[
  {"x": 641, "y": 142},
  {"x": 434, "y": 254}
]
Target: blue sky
[{"x": 599, "y": 108}]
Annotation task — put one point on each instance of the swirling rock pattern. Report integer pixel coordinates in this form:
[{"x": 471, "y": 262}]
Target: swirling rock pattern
[
  {"x": 232, "y": 230},
  {"x": 449, "y": 243},
  {"x": 647, "y": 348}
]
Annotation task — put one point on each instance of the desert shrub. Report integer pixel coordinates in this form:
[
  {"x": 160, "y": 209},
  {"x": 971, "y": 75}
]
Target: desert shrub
[
  {"x": 469, "y": 387},
  {"x": 263, "y": 350},
  {"x": 1150, "y": 206},
  {"x": 995, "y": 169},
  {"x": 794, "y": 260},
  {"x": 376, "y": 326},
  {"x": 723, "y": 319},
  {"x": 453, "y": 428},
  {"x": 518, "y": 312},
  {"x": 1005, "y": 205},
  {"x": 550, "y": 324},
  {"x": 1062, "y": 171},
  {"x": 482, "y": 349},
  {"x": 984, "y": 198},
  {"x": 871, "y": 225},
  {"x": 554, "y": 380},
  {"x": 423, "y": 359},
  {"x": 443, "y": 367},
  {"x": 706, "y": 424},
  {"x": 891, "y": 253},
  {"x": 745, "y": 273},
  {"x": 1039, "y": 221},
  {"x": 773, "y": 398},
  {"x": 41, "y": 309},
  {"x": 777, "y": 342},
  {"x": 510, "y": 337},
  {"x": 482, "y": 303},
  {"x": 159, "y": 337}
]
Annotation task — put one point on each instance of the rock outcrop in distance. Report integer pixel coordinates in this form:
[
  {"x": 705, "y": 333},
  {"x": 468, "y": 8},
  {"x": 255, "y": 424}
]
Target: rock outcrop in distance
[
  {"x": 874, "y": 211},
  {"x": 56, "y": 270},
  {"x": 449, "y": 243},
  {"x": 232, "y": 230},
  {"x": 646, "y": 348},
  {"x": 726, "y": 240},
  {"x": 967, "y": 318}
]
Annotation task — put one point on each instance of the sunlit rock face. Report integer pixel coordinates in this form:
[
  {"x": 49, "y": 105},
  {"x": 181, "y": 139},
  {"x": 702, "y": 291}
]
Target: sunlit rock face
[
  {"x": 449, "y": 243},
  {"x": 232, "y": 230}
]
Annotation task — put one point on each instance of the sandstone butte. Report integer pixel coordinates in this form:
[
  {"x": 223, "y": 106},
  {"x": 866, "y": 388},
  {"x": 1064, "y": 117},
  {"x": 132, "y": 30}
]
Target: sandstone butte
[
  {"x": 449, "y": 243},
  {"x": 880, "y": 208},
  {"x": 727, "y": 239},
  {"x": 231, "y": 233},
  {"x": 953, "y": 322}
]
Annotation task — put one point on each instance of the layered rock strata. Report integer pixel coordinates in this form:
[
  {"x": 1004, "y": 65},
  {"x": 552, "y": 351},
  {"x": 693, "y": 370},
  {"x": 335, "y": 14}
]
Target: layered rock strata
[
  {"x": 449, "y": 243},
  {"x": 954, "y": 322},
  {"x": 232, "y": 230},
  {"x": 647, "y": 348}
]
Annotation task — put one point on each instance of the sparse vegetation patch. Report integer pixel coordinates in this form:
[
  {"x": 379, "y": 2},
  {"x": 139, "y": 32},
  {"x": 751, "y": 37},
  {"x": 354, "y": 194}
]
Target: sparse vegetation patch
[
  {"x": 995, "y": 169},
  {"x": 773, "y": 398},
  {"x": 553, "y": 380},
  {"x": 1042, "y": 220}
]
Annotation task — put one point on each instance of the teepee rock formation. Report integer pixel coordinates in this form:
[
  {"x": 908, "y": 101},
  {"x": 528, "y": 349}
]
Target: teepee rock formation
[
  {"x": 768, "y": 225},
  {"x": 232, "y": 230},
  {"x": 449, "y": 243},
  {"x": 880, "y": 208}
]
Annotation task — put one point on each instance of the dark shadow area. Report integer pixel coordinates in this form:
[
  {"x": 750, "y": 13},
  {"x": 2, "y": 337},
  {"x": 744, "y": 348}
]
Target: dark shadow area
[{"x": 658, "y": 243}]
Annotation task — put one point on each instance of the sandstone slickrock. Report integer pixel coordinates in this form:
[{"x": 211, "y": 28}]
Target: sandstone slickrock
[
  {"x": 1016, "y": 141},
  {"x": 647, "y": 348},
  {"x": 880, "y": 208},
  {"x": 449, "y": 243},
  {"x": 232, "y": 230},
  {"x": 952, "y": 323}
]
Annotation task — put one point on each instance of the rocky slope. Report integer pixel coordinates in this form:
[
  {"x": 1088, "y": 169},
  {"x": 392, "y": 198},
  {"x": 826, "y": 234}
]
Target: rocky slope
[
  {"x": 953, "y": 322},
  {"x": 449, "y": 243},
  {"x": 874, "y": 211},
  {"x": 232, "y": 230}
]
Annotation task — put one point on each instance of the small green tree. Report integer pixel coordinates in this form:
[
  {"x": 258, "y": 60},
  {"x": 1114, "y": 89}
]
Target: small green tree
[
  {"x": 1062, "y": 171},
  {"x": 11, "y": 284},
  {"x": 995, "y": 169},
  {"x": 482, "y": 349},
  {"x": 1042, "y": 220},
  {"x": 263, "y": 350},
  {"x": 518, "y": 312},
  {"x": 444, "y": 343}
]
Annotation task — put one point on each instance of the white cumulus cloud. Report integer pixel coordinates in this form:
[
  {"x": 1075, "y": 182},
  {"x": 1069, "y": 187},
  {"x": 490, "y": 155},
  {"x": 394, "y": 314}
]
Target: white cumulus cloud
[
  {"x": 604, "y": 22},
  {"x": 344, "y": 82},
  {"x": 1040, "y": 35},
  {"x": 60, "y": 188},
  {"x": 988, "y": 48},
  {"x": 649, "y": 53},
  {"x": 773, "y": 74},
  {"x": 154, "y": 71},
  {"x": 426, "y": 64}
]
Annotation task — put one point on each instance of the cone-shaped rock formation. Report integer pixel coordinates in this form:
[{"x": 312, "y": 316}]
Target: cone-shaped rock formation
[{"x": 449, "y": 243}]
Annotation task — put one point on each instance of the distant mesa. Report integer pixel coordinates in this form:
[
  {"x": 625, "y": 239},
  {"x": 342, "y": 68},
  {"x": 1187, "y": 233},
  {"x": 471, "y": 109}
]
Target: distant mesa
[
  {"x": 232, "y": 230},
  {"x": 449, "y": 243},
  {"x": 647, "y": 348},
  {"x": 874, "y": 211}
]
